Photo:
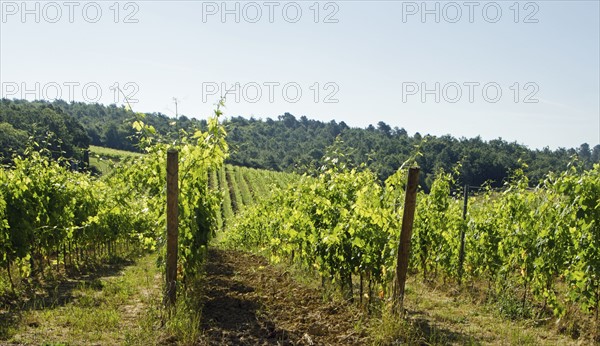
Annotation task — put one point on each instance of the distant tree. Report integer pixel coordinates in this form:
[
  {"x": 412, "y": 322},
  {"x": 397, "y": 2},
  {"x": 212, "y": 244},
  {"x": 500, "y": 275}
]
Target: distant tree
[
  {"x": 46, "y": 123},
  {"x": 384, "y": 128},
  {"x": 284, "y": 143},
  {"x": 584, "y": 152},
  {"x": 400, "y": 132},
  {"x": 271, "y": 162},
  {"x": 595, "y": 157},
  {"x": 288, "y": 120},
  {"x": 12, "y": 141},
  {"x": 304, "y": 120}
]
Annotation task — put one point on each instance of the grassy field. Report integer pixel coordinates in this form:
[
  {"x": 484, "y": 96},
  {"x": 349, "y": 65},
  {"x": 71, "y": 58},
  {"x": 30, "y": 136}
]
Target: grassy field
[
  {"x": 104, "y": 158},
  {"x": 112, "y": 153},
  {"x": 108, "y": 310}
]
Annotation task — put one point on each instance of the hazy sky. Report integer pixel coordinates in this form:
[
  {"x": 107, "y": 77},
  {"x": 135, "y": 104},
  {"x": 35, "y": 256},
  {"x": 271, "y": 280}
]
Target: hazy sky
[{"x": 524, "y": 71}]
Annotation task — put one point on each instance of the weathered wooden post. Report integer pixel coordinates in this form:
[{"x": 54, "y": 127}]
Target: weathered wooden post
[
  {"x": 461, "y": 253},
  {"x": 408, "y": 217},
  {"x": 172, "y": 223}
]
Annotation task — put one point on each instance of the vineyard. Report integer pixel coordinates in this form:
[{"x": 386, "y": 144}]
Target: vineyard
[
  {"x": 57, "y": 221},
  {"x": 532, "y": 251},
  {"x": 241, "y": 187}
]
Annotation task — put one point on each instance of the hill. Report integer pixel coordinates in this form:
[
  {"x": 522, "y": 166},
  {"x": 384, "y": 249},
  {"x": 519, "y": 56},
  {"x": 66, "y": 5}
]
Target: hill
[{"x": 290, "y": 144}]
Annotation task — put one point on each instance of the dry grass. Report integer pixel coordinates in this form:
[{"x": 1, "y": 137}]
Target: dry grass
[
  {"x": 457, "y": 320},
  {"x": 109, "y": 311}
]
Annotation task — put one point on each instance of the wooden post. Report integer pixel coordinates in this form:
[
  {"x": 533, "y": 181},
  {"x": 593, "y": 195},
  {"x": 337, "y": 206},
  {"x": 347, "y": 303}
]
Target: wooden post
[
  {"x": 172, "y": 231},
  {"x": 405, "y": 235},
  {"x": 86, "y": 158},
  {"x": 461, "y": 253}
]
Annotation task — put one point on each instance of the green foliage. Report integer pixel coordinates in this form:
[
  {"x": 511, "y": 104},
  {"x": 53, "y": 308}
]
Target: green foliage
[
  {"x": 533, "y": 246},
  {"x": 300, "y": 145},
  {"x": 12, "y": 141},
  {"x": 47, "y": 208},
  {"x": 4, "y": 238},
  {"x": 581, "y": 193},
  {"x": 198, "y": 154},
  {"x": 54, "y": 130},
  {"x": 437, "y": 228},
  {"x": 252, "y": 185},
  {"x": 334, "y": 223},
  {"x": 287, "y": 143},
  {"x": 50, "y": 213},
  {"x": 227, "y": 209}
]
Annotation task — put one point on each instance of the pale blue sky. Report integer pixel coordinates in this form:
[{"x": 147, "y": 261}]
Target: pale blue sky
[{"x": 370, "y": 57}]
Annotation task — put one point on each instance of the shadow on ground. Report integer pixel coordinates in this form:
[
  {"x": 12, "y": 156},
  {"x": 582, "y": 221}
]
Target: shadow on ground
[
  {"x": 231, "y": 314},
  {"x": 43, "y": 294},
  {"x": 439, "y": 334}
]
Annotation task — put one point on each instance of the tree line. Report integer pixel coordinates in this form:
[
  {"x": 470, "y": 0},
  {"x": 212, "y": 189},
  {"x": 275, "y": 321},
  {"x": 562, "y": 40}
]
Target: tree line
[
  {"x": 286, "y": 143},
  {"x": 299, "y": 145}
]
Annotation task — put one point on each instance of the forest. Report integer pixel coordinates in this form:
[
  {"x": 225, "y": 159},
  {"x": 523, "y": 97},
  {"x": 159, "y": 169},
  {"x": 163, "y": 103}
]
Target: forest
[{"x": 287, "y": 143}]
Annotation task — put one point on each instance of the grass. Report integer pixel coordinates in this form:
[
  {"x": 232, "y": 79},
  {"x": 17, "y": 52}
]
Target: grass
[
  {"x": 112, "y": 153},
  {"x": 450, "y": 318},
  {"x": 104, "y": 159},
  {"x": 115, "y": 310}
]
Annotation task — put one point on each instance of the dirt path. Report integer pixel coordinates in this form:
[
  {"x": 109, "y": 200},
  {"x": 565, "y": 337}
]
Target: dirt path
[{"x": 249, "y": 302}]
